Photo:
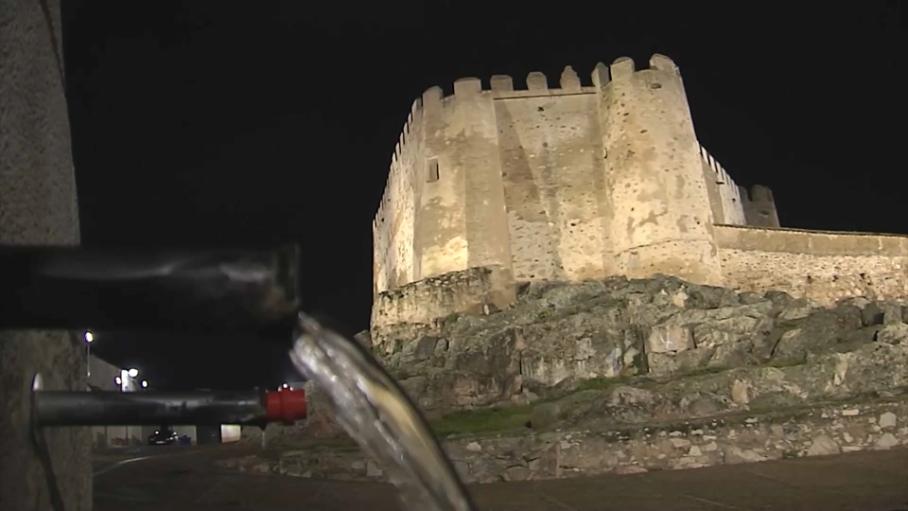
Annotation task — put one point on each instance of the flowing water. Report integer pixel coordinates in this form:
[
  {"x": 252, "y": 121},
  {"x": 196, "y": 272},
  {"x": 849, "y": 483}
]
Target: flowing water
[{"x": 375, "y": 412}]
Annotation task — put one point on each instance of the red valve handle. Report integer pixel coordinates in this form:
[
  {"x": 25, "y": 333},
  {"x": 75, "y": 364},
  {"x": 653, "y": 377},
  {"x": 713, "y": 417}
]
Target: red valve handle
[{"x": 286, "y": 406}]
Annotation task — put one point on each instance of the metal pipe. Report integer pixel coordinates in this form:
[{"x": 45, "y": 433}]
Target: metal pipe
[
  {"x": 186, "y": 290},
  {"x": 254, "y": 407}
]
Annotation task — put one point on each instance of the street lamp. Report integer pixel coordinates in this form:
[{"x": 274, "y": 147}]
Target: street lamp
[
  {"x": 133, "y": 372},
  {"x": 89, "y": 337},
  {"x": 144, "y": 384}
]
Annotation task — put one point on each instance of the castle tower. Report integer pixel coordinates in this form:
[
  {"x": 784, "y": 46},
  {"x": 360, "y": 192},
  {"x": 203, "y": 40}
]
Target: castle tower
[
  {"x": 660, "y": 220},
  {"x": 462, "y": 211},
  {"x": 443, "y": 209},
  {"x": 760, "y": 207}
]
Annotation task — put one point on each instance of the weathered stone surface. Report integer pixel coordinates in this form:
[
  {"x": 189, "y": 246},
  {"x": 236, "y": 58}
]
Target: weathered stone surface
[
  {"x": 887, "y": 441},
  {"x": 734, "y": 454},
  {"x": 624, "y": 395},
  {"x": 557, "y": 335},
  {"x": 516, "y": 473},
  {"x": 740, "y": 392},
  {"x": 470, "y": 291},
  {"x": 596, "y": 447},
  {"x": 823, "y": 445},
  {"x": 888, "y": 420},
  {"x": 680, "y": 443},
  {"x": 546, "y": 414},
  {"x": 37, "y": 207},
  {"x": 797, "y": 309},
  {"x": 872, "y": 314},
  {"x": 893, "y": 333},
  {"x": 892, "y": 312},
  {"x": 669, "y": 338},
  {"x": 630, "y": 469},
  {"x": 683, "y": 362}
]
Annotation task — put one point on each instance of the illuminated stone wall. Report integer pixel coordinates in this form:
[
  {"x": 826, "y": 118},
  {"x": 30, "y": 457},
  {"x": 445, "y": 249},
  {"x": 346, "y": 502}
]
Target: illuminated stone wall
[{"x": 585, "y": 181}]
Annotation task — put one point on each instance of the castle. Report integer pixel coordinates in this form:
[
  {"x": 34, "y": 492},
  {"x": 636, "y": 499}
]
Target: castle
[{"x": 489, "y": 189}]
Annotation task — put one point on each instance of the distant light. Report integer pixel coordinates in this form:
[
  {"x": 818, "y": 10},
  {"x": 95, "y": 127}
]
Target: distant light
[
  {"x": 144, "y": 384},
  {"x": 89, "y": 336},
  {"x": 133, "y": 372},
  {"x": 286, "y": 386},
  {"x": 118, "y": 380}
]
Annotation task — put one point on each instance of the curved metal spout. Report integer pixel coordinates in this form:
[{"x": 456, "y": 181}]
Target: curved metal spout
[{"x": 377, "y": 414}]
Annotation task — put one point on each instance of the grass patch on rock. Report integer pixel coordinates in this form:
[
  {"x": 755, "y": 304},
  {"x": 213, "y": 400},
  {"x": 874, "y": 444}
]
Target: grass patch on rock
[
  {"x": 509, "y": 418},
  {"x": 605, "y": 383},
  {"x": 486, "y": 420}
]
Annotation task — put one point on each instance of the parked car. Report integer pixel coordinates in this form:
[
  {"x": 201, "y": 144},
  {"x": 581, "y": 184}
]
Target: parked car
[{"x": 163, "y": 436}]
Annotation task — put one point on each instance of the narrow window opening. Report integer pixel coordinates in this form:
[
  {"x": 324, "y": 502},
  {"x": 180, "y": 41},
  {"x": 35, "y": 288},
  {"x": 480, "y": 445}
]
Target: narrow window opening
[{"x": 432, "y": 170}]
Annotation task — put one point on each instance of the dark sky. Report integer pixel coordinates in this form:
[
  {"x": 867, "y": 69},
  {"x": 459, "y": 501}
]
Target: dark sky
[{"x": 230, "y": 123}]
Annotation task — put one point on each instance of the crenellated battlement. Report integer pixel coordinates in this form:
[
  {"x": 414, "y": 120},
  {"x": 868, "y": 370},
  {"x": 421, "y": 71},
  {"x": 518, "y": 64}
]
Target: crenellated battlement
[
  {"x": 534, "y": 84},
  {"x": 401, "y": 150},
  {"x": 721, "y": 175},
  {"x": 537, "y": 83},
  {"x": 728, "y": 203},
  {"x": 501, "y": 86}
]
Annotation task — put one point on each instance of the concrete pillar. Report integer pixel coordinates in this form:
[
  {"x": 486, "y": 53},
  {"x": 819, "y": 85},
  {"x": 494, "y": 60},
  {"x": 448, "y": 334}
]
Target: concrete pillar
[
  {"x": 662, "y": 220},
  {"x": 37, "y": 206}
]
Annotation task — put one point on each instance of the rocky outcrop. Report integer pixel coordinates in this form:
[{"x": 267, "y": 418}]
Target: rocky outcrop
[
  {"x": 627, "y": 376},
  {"x": 556, "y": 335}
]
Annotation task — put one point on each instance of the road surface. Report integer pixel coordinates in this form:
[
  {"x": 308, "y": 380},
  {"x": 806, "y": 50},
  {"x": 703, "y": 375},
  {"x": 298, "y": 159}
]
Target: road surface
[{"x": 184, "y": 479}]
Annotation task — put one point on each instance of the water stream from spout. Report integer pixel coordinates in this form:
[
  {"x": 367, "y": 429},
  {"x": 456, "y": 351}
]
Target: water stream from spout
[{"x": 373, "y": 410}]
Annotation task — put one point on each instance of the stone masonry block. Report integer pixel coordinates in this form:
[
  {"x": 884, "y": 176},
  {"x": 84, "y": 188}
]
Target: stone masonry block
[{"x": 537, "y": 81}]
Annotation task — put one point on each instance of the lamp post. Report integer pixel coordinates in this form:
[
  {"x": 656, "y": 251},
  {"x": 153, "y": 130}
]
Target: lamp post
[{"x": 89, "y": 338}]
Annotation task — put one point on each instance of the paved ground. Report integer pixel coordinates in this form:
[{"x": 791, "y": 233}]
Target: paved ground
[{"x": 182, "y": 479}]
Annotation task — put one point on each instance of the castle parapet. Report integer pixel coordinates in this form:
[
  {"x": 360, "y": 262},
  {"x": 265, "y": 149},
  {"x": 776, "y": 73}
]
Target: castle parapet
[{"x": 724, "y": 194}]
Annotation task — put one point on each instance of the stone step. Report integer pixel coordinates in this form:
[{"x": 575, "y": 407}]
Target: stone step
[{"x": 822, "y": 429}]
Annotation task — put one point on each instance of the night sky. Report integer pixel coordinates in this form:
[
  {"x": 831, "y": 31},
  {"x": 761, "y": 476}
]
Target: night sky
[{"x": 260, "y": 123}]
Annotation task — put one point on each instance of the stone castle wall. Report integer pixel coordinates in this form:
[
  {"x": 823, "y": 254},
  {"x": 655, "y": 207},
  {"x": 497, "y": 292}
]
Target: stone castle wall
[
  {"x": 550, "y": 153},
  {"x": 561, "y": 183},
  {"x": 476, "y": 290},
  {"x": 822, "y": 266},
  {"x": 584, "y": 182},
  {"x": 725, "y": 196}
]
